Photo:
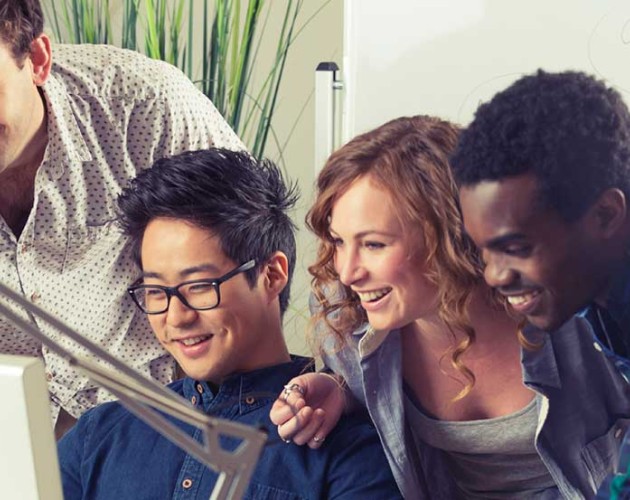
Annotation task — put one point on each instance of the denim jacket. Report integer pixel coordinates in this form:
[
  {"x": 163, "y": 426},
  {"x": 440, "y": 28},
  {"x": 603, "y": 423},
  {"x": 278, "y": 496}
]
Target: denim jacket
[
  {"x": 583, "y": 407},
  {"x": 111, "y": 454}
]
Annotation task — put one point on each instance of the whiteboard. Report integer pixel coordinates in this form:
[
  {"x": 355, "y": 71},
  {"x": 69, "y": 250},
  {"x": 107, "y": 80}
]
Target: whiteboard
[{"x": 445, "y": 57}]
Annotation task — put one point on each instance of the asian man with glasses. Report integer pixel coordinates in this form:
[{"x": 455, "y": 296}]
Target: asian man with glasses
[{"x": 216, "y": 249}]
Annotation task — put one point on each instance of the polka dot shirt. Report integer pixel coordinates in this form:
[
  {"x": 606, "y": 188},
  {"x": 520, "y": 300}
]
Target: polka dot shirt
[{"x": 111, "y": 113}]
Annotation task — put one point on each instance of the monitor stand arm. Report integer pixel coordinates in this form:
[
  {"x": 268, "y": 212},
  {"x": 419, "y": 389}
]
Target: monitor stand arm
[{"x": 146, "y": 398}]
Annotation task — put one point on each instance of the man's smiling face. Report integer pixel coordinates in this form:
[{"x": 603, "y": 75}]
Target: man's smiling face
[
  {"x": 546, "y": 267},
  {"x": 211, "y": 344}
]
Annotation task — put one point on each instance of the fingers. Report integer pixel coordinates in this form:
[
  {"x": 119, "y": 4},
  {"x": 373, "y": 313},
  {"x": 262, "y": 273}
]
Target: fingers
[
  {"x": 297, "y": 419},
  {"x": 283, "y": 411},
  {"x": 297, "y": 423},
  {"x": 311, "y": 432},
  {"x": 326, "y": 427},
  {"x": 306, "y": 428},
  {"x": 293, "y": 396},
  {"x": 289, "y": 389}
]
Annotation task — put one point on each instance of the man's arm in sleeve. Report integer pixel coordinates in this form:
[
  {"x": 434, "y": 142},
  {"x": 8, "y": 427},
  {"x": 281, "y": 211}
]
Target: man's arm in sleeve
[
  {"x": 358, "y": 466},
  {"x": 178, "y": 118},
  {"x": 70, "y": 452}
]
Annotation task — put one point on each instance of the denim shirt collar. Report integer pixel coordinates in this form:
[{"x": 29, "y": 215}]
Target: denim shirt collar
[
  {"x": 370, "y": 339},
  {"x": 618, "y": 301},
  {"x": 617, "y": 309},
  {"x": 264, "y": 383},
  {"x": 539, "y": 365}
]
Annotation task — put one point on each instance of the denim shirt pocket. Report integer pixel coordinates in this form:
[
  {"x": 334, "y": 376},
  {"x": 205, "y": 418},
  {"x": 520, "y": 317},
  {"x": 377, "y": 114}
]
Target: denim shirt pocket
[
  {"x": 257, "y": 491},
  {"x": 601, "y": 455}
]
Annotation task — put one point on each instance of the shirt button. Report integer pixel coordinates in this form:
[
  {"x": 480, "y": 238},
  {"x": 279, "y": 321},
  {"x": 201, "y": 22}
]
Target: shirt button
[
  {"x": 24, "y": 248},
  {"x": 186, "y": 483},
  {"x": 597, "y": 346},
  {"x": 35, "y": 296},
  {"x": 193, "y": 400},
  {"x": 618, "y": 433},
  {"x": 250, "y": 400},
  {"x": 49, "y": 376},
  {"x": 200, "y": 388}
]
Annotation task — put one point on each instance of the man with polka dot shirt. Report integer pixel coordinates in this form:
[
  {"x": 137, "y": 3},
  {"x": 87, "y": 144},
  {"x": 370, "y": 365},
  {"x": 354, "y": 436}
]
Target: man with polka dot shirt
[{"x": 76, "y": 124}]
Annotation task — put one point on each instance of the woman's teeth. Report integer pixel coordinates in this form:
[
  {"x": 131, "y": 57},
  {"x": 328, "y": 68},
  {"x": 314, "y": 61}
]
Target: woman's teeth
[{"x": 374, "y": 295}]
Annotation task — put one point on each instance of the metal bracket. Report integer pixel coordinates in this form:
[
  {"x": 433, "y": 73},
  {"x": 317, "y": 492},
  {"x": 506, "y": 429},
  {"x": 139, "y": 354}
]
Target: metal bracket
[
  {"x": 327, "y": 112},
  {"x": 144, "y": 397}
]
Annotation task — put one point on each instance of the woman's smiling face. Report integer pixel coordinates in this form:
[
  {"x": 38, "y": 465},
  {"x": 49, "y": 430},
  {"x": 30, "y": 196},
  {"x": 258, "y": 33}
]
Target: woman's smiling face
[{"x": 379, "y": 257}]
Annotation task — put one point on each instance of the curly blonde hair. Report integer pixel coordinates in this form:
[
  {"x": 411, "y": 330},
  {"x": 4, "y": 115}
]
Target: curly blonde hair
[{"x": 409, "y": 158}]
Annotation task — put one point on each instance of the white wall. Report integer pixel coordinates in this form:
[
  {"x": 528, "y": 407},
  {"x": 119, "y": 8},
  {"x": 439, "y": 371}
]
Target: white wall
[
  {"x": 445, "y": 57},
  {"x": 320, "y": 41}
]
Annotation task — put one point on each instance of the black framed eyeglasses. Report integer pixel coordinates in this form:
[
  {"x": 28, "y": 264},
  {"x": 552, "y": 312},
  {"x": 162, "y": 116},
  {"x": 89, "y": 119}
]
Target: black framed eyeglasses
[{"x": 199, "y": 295}]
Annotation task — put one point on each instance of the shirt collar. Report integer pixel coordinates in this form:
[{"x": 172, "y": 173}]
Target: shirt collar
[
  {"x": 618, "y": 300},
  {"x": 371, "y": 339},
  {"x": 64, "y": 134},
  {"x": 269, "y": 380},
  {"x": 539, "y": 364}
]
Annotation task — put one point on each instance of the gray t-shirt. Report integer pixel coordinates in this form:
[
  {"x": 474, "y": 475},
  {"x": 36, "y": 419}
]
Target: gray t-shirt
[{"x": 490, "y": 459}]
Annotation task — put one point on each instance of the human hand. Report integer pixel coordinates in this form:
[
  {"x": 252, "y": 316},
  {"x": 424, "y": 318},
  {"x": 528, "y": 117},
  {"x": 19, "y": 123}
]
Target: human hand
[{"x": 308, "y": 408}]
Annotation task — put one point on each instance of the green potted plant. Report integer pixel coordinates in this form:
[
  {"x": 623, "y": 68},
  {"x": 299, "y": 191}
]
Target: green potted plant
[{"x": 226, "y": 35}]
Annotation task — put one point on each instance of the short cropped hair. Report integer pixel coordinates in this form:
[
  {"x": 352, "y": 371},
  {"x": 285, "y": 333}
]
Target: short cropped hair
[
  {"x": 568, "y": 129},
  {"x": 241, "y": 200},
  {"x": 21, "y": 22}
]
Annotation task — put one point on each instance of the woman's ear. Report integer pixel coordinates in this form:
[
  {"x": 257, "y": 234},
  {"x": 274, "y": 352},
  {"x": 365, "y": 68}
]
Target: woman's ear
[{"x": 276, "y": 273}]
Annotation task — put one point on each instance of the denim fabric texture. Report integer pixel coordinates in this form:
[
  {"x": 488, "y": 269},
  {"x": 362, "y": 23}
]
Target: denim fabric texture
[
  {"x": 614, "y": 323},
  {"x": 111, "y": 454},
  {"x": 583, "y": 404}
]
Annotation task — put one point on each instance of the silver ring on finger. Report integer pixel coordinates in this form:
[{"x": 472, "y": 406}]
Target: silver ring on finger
[{"x": 288, "y": 389}]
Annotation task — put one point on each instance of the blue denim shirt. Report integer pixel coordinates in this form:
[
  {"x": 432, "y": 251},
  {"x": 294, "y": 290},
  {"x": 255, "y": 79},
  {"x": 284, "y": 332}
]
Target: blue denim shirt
[
  {"x": 617, "y": 327},
  {"x": 612, "y": 323},
  {"x": 583, "y": 408},
  {"x": 111, "y": 454}
]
